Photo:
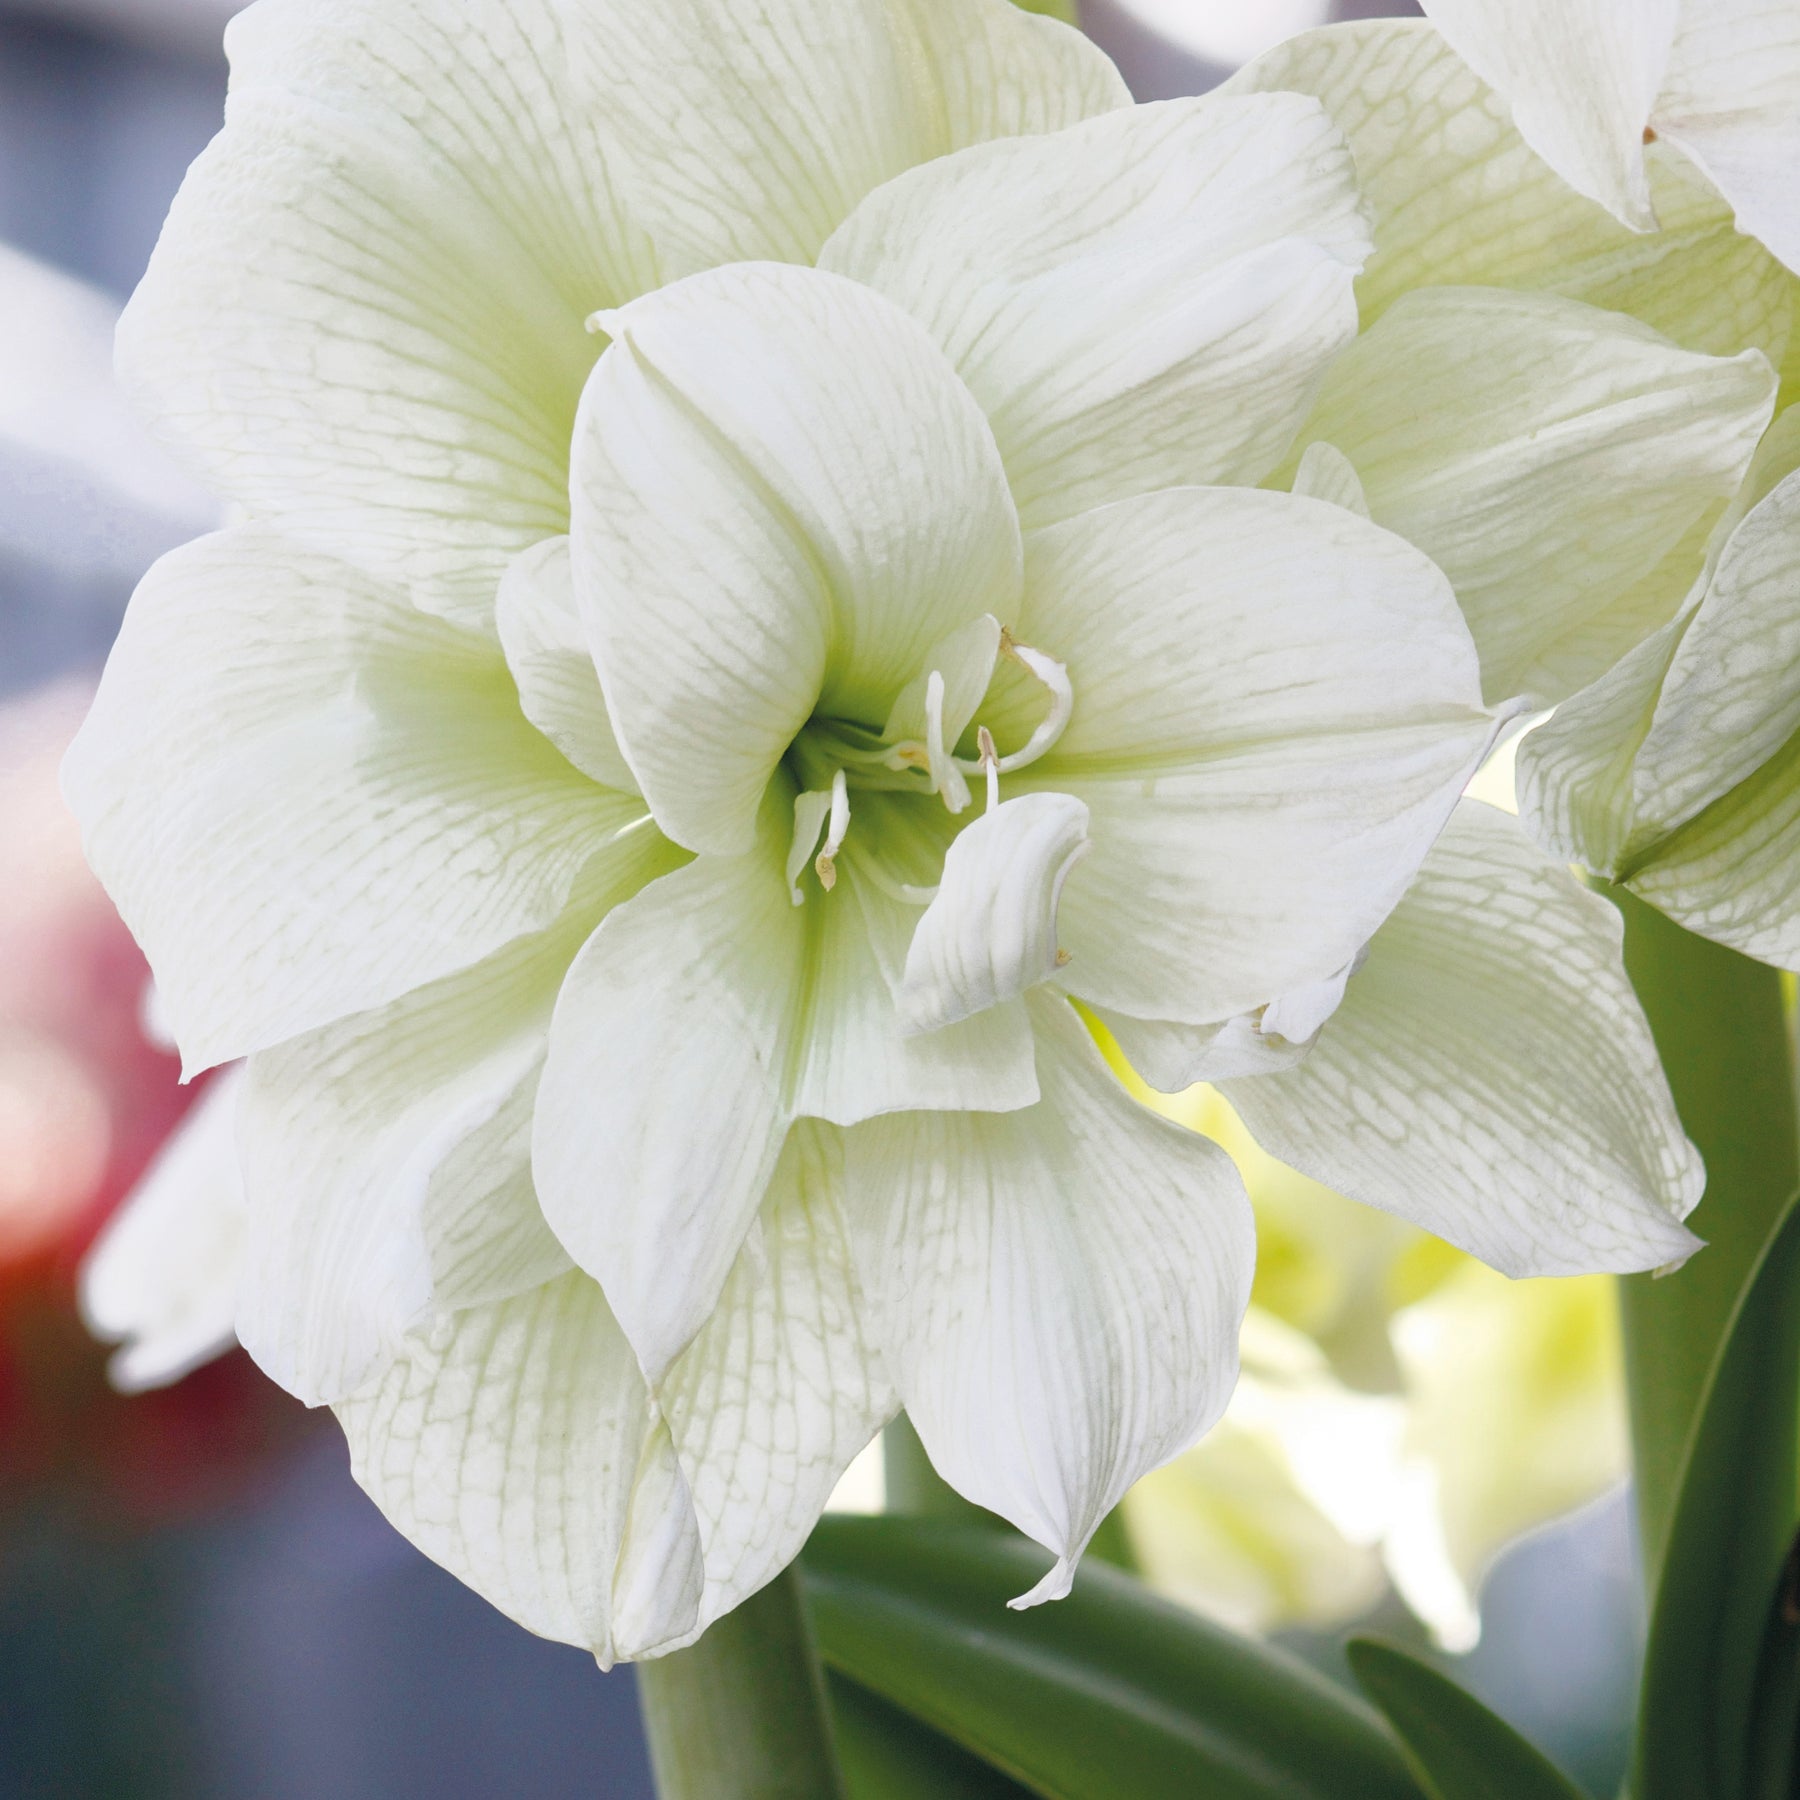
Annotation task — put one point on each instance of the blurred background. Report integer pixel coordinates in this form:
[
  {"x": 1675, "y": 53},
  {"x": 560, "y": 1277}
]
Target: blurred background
[{"x": 196, "y": 1600}]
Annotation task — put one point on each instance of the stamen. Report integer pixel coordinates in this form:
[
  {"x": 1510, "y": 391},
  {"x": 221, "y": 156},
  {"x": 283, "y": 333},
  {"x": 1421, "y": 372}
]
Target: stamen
[
  {"x": 984, "y": 740},
  {"x": 810, "y": 810},
  {"x": 1054, "y": 677},
  {"x": 946, "y": 777},
  {"x": 826, "y": 862}
]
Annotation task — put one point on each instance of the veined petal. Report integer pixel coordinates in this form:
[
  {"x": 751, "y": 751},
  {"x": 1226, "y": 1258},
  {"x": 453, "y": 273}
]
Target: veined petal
[
  {"x": 991, "y": 932},
  {"x": 559, "y": 688},
  {"x": 1057, "y": 1291},
  {"x": 387, "y": 1157},
  {"x": 1276, "y": 706},
  {"x": 784, "y": 498},
  {"x": 1171, "y": 1058},
  {"x": 1731, "y": 100},
  {"x": 1491, "y": 463},
  {"x": 516, "y": 1445},
  {"x": 364, "y": 316},
  {"x": 162, "y": 1278},
  {"x": 751, "y": 133},
  {"x": 1490, "y": 1074},
  {"x": 1145, "y": 300},
  {"x": 663, "y": 1106},
  {"x": 782, "y": 1387},
  {"x": 1582, "y": 77},
  {"x": 1459, "y": 198},
  {"x": 306, "y": 797}
]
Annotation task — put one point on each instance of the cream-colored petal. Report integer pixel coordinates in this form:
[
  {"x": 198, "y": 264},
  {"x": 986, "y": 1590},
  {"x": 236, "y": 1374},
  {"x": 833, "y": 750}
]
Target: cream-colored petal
[
  {"x": 162, "y": 1278},
  {"x": 1275, "y": 707},
  {"x": 1145, "y": 300},
  {"x": 784, "y": 498},
  {"x": 1561, "y": 464},
  {"x": 990, "y": 934},
  {"x": 516, "y": 1445},
  {"x": 751, "y": 133},
  {"x": 1582, "y": 77},
  {"x": 1458, "y": 198},
  {"x": 387, "y": 1157},
  {"x": 559, "y": 687},
  {"x": 782, "y": 1387},
  {"x": 363, "y": 319},
  {"x": 1057, "y": 1291},
  {"x": 1490, "y": 1074},
  {"x": 307, "y": 797}
]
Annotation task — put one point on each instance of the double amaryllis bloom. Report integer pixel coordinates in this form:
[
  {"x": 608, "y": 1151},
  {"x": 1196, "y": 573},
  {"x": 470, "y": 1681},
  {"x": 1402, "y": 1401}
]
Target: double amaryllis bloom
[{"x": 754, "y": 633}]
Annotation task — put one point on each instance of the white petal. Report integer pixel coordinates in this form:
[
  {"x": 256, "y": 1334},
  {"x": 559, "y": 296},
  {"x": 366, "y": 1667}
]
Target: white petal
[
  {"x": 782, "y": 1388},
  {"x": 1490, "y": 1075},
  {"x": 1582, "y": 76},
  {"x": 991, "y": 932},
  {"x": 1561, "y": 464},
  {"x": 515, "y": 1444},
  {"x": 1326, "y": 473},
  {"x": 1732, "y": 102},
  {"x": 662, "y": 1108},
  {"x": 1459, "y": 199},
  {"x": 964, "y": 658},
  {"x": 387, "y": 1156},
  {"x": 1058, "y": 1291},
  {"x": 751, "y": 132},
  {"x": 306, "y": 797},
  {"x": 1171, "y": 1058},
  {"x": 364, "y": 315},
  {"x": 1275, "y": 709},
  {"x": 758, "y": 532},
  {"x": 162, "y": 1279},
  {"x": 1143, "y": 301},
  {"x": 559, "y": 688}
]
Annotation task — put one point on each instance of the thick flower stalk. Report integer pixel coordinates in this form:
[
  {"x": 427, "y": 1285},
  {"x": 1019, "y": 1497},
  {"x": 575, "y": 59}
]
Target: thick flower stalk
[{"x": 754, "y": 630}]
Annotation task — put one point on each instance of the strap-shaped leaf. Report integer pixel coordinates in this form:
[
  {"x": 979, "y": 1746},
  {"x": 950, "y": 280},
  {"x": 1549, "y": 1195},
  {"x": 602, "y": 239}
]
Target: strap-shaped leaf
[
  {"x": 1459, "y": 1750},
  {"x": 1718, "y": 1634},
  {"x": 1110, "y": 1694},
  {"x": 887, "y": 1754}
]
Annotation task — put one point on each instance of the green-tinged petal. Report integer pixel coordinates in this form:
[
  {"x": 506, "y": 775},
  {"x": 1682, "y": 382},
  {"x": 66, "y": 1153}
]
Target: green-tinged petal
[
  {"x": 1582, "y": 77},
  {"x": 559, "y": 688},
  {"x": 751, "y": 132},
  {"x": 1275, "y": 707},
  {"x": 662, "y": 1109},
  {"x": 1227, "y": 232},
  {"x": 515, "y": 1444},
  {"x": 991, "y": 931},
  {"x": 307, "y": 797},
  {"x": 782, "y": 1387},
  {"x": 784, "y": 498},
  {"x": 162, "y": 1279},
  {"x": 1458, "y": 197},
  {"x": 1561, "y": 464},
  {"x": 1731, "y": 100},
  {"x": 1057, "y": 1291},
  {"x": 387, "y": 1157},
  {"x": 364, "y": 316},
  {"x": 1490, "y": 1076}
]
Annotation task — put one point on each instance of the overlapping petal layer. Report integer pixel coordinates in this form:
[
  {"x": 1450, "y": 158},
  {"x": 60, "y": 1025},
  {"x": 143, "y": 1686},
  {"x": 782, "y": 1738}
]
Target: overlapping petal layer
[{"x": 307, "y": 797}]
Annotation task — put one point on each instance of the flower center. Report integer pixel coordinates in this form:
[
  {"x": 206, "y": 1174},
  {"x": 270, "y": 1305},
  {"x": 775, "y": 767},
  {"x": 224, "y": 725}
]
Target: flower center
[{"x": 832, "y": 756}]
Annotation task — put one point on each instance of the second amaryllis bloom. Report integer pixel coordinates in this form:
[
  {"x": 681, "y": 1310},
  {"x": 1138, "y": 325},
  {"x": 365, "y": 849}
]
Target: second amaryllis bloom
[{"x": 737, "y": 644}]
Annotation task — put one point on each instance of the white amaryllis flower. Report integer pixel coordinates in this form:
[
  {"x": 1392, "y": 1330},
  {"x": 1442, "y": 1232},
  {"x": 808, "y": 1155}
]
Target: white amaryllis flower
[
  {"x": 1591, "y": 82},
  {"x": 645, "y": 818},
  {"x": 1678, "y": 772}
]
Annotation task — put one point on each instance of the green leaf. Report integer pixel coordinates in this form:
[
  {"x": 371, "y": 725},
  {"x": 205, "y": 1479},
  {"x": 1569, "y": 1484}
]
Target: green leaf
[
  {"x": 1111, "y": 1694},
  {"x": 1716, "y": 1709},
  {"x": 1459, "y": 1750},
  {"x": 1722, "y": 1032},
  {"x": 887, "y": 1754}
]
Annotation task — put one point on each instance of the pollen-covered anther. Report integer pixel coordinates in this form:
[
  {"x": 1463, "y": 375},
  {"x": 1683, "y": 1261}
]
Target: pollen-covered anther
[{"x": 825, "y": 865}]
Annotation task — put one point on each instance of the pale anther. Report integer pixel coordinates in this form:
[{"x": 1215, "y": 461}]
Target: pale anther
[
  {"x": 1054, "y": 677},
  {"x": 826, "y": 863},
  {"x": 991, "y": 762}
]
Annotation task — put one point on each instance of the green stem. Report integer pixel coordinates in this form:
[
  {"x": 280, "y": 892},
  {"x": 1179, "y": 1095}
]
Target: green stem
[
  {"x": 1722, "y": 1031},
  {"x": 741, "y": 1715}
]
